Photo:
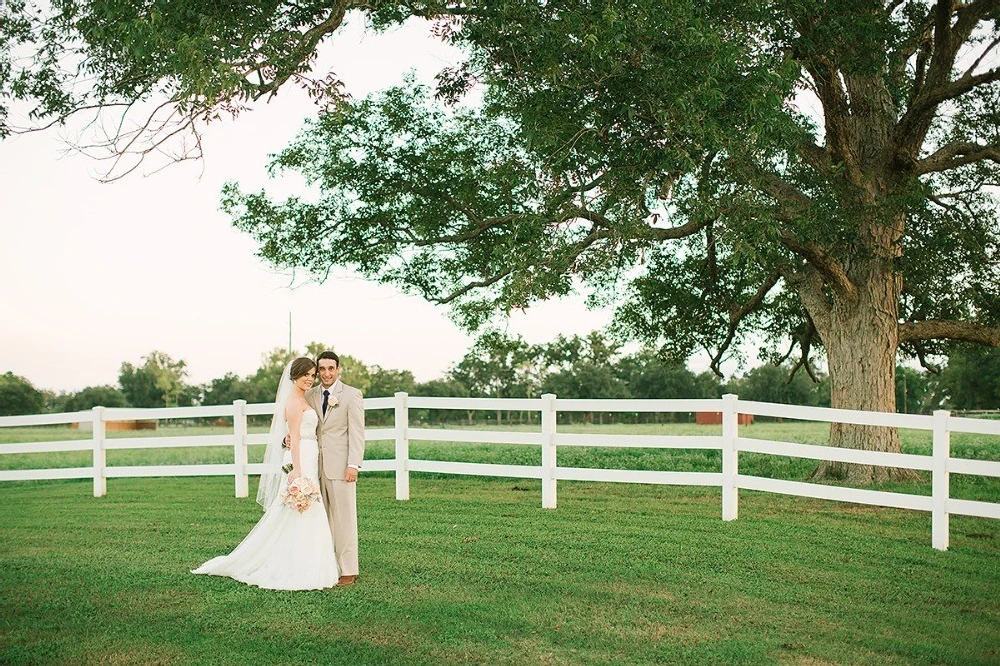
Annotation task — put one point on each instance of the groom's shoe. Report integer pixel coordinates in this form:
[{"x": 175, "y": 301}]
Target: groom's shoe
[{"x": 346, "y": 580}]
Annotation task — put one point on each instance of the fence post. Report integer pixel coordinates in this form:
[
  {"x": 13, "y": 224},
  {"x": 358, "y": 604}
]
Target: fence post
[
  {"x": 548, "y": 451},
  {"x": 730, "y": 457},
  {"x": 100, "y": 454},
  {"x": 402, "y": 448},
  {"x": 940, "y": 481},
  {"x": 240, "y": 447}
]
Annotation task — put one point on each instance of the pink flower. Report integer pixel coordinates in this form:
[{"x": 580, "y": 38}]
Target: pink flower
[{"x": 300, "y": 494}]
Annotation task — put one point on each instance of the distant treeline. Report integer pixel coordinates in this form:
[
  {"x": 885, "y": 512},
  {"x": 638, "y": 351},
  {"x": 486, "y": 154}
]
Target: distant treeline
[{"x": 498, "y": 366}]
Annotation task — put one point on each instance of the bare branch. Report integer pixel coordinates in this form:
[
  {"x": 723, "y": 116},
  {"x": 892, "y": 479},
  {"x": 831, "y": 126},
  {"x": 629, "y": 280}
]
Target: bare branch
[
  {"x": 152, "y": 136},
  {"x": 63, "y": 118},
  {"x": 944, "y": 204}
]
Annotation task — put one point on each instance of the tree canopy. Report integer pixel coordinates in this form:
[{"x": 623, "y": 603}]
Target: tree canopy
[
  {"x": 814, "y": 173},
  {"x": 150, "y": 75}
]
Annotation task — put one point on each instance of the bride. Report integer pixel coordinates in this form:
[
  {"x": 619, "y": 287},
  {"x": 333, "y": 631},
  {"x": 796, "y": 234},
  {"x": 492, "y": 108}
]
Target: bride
[{"x": 288, "y": 549}]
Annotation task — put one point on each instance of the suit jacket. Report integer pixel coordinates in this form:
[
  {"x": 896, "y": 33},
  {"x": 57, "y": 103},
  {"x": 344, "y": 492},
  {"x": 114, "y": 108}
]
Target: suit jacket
[{"x": 341, "y": 432}]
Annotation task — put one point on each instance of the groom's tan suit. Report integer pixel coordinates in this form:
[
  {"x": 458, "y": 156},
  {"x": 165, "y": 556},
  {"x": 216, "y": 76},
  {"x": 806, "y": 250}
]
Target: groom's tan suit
[{"x": 341, "y": 435}]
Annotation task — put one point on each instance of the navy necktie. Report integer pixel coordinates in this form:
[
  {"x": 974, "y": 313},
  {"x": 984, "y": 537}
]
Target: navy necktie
[{"x": 326, "y": 400}]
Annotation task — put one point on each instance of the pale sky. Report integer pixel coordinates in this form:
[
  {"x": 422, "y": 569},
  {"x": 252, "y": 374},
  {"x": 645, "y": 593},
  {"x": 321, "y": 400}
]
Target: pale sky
[{"x": 97, "y": 274}]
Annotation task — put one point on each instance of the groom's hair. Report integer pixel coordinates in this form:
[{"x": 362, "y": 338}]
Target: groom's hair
[{"x": 330, "y": 355}]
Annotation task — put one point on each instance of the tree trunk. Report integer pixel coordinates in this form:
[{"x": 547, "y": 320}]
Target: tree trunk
[{"x": 861, "y": 336}]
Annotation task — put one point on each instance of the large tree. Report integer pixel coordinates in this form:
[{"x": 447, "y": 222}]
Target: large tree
[
  {"x": 809, "y": 171},
  {"x": 813, "y": 172}
]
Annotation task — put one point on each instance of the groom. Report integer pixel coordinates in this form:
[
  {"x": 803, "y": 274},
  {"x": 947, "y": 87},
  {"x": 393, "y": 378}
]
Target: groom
[{"x": 341, "y": 434}]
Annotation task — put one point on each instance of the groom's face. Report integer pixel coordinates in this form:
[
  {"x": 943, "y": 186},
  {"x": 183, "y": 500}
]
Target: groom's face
[{"x": 328, "y": 371}]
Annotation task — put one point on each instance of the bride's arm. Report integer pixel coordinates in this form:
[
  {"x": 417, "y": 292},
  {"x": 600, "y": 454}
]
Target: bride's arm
[{"x": 293, "y": 416}]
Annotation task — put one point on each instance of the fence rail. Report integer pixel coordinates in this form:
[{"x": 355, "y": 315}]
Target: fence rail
[{"x": 729, "y": 443}]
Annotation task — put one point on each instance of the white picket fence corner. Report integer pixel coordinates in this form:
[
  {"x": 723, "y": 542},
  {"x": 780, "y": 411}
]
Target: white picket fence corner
[{"x": 941, "y": 465}]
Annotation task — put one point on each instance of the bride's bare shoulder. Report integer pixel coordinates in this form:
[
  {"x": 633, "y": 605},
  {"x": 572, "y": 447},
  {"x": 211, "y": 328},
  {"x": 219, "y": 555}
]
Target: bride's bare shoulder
[{"x": 296, "y": 405}]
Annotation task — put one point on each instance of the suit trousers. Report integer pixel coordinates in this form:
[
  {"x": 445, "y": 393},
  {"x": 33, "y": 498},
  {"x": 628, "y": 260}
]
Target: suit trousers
[{"x": 340, "y": 500}]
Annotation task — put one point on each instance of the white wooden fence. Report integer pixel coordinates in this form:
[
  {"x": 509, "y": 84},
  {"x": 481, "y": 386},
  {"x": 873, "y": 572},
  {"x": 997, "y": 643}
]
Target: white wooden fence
[{"x": 940, "y": 463}]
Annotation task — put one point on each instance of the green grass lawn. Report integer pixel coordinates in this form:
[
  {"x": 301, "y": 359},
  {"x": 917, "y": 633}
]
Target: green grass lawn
[{"x": 473, "y": 571}]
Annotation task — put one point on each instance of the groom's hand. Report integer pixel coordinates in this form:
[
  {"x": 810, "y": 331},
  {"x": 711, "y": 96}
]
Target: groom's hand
[{"x": 350, "y": 475}]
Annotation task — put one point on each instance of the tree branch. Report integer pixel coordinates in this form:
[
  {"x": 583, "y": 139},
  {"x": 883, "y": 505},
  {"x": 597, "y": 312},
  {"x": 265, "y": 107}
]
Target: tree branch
[
  {"x": 949, "y": 330},
  {"x": 792, "y": 205},
  {"x": 816, "y": 157},
  {"x": 808, "y": 284},
  {"x": 931, "y": 97},
  {"x": 937, "y": 86},
  {"x": 982, "y": 56},
  {"x": 470, "y": 234},
  {"x": 805, "y": 344},
  {"x": 792, "y": 202},
  {"x": 828, "y": 267},
  {"x": 737, "y": 315},
  {"x": 656, "y": 233},
  {"x": 922, "y": 357},
  {"x": 955, "y": 155},
  {"x": 306, "y": 46},
  {"x": 683, "y": 231},
  {"x": 470, "y": 286},
  {"x": 577, "y": 249}
]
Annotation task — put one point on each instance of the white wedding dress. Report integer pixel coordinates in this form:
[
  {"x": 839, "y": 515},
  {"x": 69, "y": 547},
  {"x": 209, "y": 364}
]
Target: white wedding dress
[{"x": 286, "y": 550}]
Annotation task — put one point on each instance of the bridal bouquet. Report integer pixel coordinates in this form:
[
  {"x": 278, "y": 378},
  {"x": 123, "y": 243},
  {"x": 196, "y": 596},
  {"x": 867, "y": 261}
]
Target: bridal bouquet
[{"x": 300, "y": 494}]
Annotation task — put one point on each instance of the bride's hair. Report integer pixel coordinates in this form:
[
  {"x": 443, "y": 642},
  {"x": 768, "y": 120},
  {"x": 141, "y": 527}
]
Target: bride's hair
[{"x": 300, "y": 367}]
